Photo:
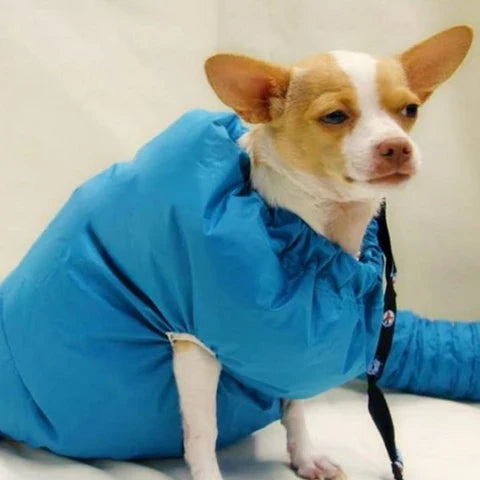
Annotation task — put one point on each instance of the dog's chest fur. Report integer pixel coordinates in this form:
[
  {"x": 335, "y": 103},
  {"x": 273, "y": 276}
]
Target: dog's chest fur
[{"x": 340, "y": 220}]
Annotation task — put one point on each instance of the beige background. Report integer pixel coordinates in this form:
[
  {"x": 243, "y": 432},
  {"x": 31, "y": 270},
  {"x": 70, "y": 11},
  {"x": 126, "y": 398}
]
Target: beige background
[{"x": 84, "y": 84}]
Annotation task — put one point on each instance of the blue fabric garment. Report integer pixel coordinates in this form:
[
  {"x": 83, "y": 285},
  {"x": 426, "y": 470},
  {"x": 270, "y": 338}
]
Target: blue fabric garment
[
  {"x": 440, "y": 358},
  {"x": 176, "y": 241}
]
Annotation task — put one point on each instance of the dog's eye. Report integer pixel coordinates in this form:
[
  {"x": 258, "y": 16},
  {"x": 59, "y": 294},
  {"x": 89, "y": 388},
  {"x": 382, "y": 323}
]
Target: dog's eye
[
  {"x": 410, "y": 110},
  {"x": 335, "y": 118}
]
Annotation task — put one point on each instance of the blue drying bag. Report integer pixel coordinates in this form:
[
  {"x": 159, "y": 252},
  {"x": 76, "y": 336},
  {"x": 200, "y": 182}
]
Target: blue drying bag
[{"x": 176, "y": 242}]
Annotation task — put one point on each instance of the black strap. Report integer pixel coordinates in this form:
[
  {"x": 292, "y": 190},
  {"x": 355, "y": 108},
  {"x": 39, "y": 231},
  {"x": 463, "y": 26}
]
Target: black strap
[{"x": 377, "y": 404}]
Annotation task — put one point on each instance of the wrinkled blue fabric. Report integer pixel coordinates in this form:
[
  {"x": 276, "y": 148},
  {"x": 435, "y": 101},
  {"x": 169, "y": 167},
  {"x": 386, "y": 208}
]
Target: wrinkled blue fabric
[
  {"x": 440, "y": 358},
  {"x": 176, "y": 241}
]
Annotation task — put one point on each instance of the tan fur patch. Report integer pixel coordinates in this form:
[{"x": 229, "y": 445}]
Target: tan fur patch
[
  {"x": 318, "y": 86},
  {"x": 393, "y": 89}
]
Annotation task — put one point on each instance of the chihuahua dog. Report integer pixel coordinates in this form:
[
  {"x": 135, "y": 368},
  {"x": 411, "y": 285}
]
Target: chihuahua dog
[{"x": 331, "y": 139}]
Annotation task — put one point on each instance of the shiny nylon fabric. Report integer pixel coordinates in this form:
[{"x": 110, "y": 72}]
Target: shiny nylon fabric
[{"x": 176, "y": 241}]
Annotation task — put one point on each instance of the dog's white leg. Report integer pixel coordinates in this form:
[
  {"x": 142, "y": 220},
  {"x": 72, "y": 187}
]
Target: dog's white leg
[
  {"x": 303, "y": 458},
  {"x": 197, "y": 373}
]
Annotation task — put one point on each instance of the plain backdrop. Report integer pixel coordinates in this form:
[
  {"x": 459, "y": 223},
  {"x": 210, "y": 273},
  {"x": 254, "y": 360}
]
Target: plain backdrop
[{"x": 85, "y": 83}]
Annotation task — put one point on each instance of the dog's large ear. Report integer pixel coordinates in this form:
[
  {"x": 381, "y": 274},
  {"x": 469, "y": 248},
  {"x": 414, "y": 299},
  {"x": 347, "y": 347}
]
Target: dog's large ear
[
  {"x": 431, "y": 62},
  {"x": 256, "y": 90}
]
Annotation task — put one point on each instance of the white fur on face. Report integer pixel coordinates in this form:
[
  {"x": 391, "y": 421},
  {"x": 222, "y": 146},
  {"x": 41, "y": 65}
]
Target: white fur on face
[{"x": 374, "y": 124}]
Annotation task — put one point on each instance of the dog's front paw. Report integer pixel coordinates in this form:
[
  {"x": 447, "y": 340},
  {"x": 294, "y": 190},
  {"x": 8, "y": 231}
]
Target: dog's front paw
[{"x": 314, "y": 467}]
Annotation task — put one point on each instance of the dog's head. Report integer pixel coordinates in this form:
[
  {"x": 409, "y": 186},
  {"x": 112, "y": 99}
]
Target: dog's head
[{"x": 342, "y": 116}]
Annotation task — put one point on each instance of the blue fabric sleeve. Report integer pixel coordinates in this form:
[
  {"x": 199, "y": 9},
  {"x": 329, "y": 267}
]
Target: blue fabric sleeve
[{"x": 439, "y": 358}]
